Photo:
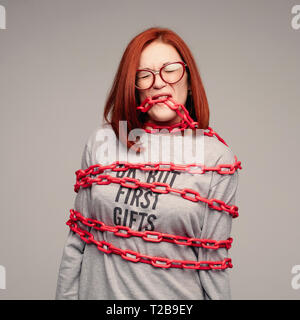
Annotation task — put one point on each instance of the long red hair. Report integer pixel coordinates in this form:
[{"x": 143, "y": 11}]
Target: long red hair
[{"x": 123, "y": 97}]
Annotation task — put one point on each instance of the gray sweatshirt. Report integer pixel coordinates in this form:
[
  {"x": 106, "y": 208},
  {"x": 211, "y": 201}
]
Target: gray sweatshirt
[{"x": 87, "y": 273}]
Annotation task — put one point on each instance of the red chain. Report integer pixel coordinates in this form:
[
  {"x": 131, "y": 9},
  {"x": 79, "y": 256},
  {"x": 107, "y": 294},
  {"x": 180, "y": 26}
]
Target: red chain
[
  {"x": 160, "y": 262},
  {"x": 84, "y": 180},
  {"x": 186, "y": 121},
  {"x": 150, "y": 236},
  {"x": 157, "y": 166},
  {"x": 132, "y": 183}
]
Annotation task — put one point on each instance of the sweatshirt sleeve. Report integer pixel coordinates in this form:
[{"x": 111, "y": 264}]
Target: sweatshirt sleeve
[
  {"x": 217, "y": 226},
  {"x": 70, "y": 267}
]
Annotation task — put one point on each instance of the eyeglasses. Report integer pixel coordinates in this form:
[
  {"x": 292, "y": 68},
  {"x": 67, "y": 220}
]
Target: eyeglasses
[{"x": 169, "y": 73}]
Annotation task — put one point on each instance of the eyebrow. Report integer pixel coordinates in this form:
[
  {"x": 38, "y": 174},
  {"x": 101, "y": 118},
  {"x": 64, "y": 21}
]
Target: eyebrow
[{"x": 152, "y": 69}]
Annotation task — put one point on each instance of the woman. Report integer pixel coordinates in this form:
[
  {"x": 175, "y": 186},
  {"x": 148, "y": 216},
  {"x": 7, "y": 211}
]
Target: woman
[{"x": 141, "y": 232}]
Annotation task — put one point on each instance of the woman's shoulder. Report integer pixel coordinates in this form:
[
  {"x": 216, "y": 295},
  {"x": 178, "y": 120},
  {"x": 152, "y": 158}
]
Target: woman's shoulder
[
  {"x": 99, "y": 134},
  {"x": 216, "y": 151},
  {"x": 102, "y": 139}
]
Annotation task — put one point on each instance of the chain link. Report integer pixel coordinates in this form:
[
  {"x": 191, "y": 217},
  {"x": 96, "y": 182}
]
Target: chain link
[
  {"x": 149, "y": 236},
  {"x": 157, "y": 166},
  {"x": 158, "y": 262},
  {"x": 157, "y": 187},
  {"x": 186, "y": 122}
]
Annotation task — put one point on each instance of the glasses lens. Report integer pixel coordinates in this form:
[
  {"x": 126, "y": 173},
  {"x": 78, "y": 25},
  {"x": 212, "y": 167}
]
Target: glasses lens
[
  {"x": 144, "y": 79},
  {"x": 173, "y": 72}
]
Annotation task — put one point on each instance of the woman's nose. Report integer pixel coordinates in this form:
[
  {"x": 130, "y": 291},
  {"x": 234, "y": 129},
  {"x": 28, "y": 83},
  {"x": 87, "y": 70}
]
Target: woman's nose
[{"x": 158, "y": 82}]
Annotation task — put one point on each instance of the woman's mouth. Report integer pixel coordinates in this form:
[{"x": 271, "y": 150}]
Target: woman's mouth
[
  {"x": 160, "y": 100},
  {"x": 159, "y": 97}
]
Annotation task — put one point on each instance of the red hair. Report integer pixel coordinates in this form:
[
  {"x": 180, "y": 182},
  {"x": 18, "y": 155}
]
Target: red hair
[{"x": 123, "y": 97}]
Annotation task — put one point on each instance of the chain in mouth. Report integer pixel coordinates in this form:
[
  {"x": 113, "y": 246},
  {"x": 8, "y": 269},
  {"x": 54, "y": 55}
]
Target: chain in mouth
[{"x": 186, "y": 120}]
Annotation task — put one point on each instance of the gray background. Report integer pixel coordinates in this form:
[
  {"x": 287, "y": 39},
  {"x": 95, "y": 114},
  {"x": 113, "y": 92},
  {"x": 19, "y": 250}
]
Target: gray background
[{"x": 57, "y": 63}]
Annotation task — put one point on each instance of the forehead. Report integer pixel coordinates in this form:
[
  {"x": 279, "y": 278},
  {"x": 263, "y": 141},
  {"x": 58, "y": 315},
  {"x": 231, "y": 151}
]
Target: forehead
[{"x": 156, "y": 54}]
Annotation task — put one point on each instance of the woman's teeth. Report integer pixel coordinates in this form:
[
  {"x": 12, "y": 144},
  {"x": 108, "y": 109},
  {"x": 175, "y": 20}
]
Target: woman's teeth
[{"x": 161, "y": 97}]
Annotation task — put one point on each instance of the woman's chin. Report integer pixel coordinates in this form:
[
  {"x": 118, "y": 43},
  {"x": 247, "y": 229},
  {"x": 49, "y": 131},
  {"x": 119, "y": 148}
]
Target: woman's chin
[
  {"x": 163, "y": 116},
  {"x": 163, "y": 120}
]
